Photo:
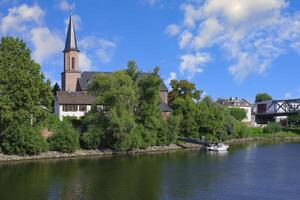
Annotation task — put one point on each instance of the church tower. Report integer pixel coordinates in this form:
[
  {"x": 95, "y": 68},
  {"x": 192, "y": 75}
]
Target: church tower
[{"x": 71, "y": 60}]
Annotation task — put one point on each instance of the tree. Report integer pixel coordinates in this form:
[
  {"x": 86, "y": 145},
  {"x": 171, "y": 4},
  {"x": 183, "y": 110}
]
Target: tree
[
  {"x": 25, "y": 95},
  {"x": 54, "y": 90},
  {"x": 148, "y": 112},
  {"x": 238, "y": 113},
  {"x": 22, "y": 139},
  {"x": 262, "y": 97},
  {"x": 113, "y": 110},
  {"x": 132, "y": 70},
  {"x": 184, "y": 89}
]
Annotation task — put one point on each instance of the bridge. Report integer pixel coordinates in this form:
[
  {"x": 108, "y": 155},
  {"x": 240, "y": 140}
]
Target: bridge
[{"x": 267, "y": 111}]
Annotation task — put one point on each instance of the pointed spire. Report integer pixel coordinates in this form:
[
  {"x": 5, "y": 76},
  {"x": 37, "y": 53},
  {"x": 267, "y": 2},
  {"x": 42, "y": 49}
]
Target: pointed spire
[{"x": 71, "y": 43}]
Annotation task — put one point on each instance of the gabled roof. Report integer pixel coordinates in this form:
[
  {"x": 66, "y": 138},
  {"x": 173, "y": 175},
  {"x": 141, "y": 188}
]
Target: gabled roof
[
  {"x": 83, "y": 98},
  {"x": 74, "y": 98},
  {"x": 87, "y": 76},
  {"x": 71, "y": 42},
  {"x": 234, "y": 102}
]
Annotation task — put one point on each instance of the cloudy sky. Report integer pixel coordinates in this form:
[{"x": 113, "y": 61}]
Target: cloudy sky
[{"x": 227, "y": 47}]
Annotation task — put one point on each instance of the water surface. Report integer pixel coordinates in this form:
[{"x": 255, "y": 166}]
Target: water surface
[{"x": 249, "y": 171}]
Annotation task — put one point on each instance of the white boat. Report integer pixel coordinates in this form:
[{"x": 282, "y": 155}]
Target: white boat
[{"x": 217, "y": 147}]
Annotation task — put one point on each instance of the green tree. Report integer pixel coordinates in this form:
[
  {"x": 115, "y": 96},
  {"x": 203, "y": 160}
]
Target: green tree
[
  {"x": 65, "y": 138},
  {"x": 294, "y": 119},
  {"x": 22, "y": 139},
  {"x": 262, "y": 97},
  {"x": 25, "y": 95},
  {"x": 113, "y": 110},
  {"x": 185, "y": 89},
  {"x": 148, "y": 112},
  {"x": 238, "y": 113},
  {"x": 132, "y": 70}
]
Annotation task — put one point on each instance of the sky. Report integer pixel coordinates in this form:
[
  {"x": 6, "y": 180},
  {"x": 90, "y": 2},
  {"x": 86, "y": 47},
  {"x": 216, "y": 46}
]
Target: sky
[{"x": 228, "y": 48}]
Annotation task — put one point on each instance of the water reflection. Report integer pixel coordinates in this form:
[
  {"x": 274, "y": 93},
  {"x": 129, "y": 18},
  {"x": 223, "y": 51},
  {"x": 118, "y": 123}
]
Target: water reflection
[{"x": 248, "y": 171}]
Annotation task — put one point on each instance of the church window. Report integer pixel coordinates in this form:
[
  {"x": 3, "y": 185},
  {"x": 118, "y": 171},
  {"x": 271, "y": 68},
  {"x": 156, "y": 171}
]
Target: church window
[
  {"x": 70, "y": 108},
  {"x": 73, "y": 62},
  {"x": 82, "y": 108}
]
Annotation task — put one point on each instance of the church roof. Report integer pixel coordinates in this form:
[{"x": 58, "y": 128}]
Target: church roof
[
  {"x": 75, "y": 98},
  {"x": 71, "y": 42},
  {"x": 87, "y": 76},
  {"x": 83, "y": 98}
]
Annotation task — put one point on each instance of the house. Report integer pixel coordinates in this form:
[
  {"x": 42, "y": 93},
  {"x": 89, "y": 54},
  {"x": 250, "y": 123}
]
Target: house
[
  {"x": 238, "y": 103},
  {"x": 74, "y": 100}
]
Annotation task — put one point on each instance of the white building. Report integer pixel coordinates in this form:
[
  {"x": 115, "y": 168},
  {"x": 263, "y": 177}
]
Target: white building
[{"x": 238, "y": 103}]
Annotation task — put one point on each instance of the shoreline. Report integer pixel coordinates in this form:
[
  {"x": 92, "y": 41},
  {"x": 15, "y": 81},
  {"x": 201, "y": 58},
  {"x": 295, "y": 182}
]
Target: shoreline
[{"x": 151, "y": 150}]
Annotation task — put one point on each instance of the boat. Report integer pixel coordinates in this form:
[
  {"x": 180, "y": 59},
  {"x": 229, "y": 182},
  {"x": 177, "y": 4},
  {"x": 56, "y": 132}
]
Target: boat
[{"x": 217, "y": 147}]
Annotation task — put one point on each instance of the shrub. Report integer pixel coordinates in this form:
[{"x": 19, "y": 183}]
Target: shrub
[
  {"x": 91, "y": 139},
  {"x": 65, "y": 138},
  {"x": 23, "y": 140},
  {"x": 272, "y": 128},
  {"x": 173, "y": 129}
]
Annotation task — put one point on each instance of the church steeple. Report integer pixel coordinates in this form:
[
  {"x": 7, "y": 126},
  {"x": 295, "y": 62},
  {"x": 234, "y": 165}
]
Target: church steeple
[
  {"x": 71, "y": 60},
  {"x": 71, "y": 42}
]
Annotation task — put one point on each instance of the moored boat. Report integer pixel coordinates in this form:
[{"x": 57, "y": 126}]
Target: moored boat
[{"x": 217, "y": 147}]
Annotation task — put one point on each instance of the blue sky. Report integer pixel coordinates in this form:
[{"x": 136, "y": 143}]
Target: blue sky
[{"x": 227, "y": 47}]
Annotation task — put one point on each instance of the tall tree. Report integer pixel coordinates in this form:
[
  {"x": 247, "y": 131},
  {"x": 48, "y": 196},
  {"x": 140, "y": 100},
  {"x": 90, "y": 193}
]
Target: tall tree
[
  {"x": 55, "y": 89},
  {"x": 148, "y": 112},
  {"x": 263, "y": 97},
  {"x": 25, "y": 96},
  {"x": 132, "y": 70},
  {"x": 112, "y": 113},
  {"x": 185, "y": 89}
]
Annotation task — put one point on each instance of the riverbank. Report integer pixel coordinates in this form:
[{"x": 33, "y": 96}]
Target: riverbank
[
  {"x": 86, "y": 153},
  {"x": 151, "y": 150}
]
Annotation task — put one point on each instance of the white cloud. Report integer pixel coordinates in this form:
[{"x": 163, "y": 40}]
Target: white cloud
[
  {"x": 18, "y": 18},
  {"x": 102, "y": 49},
  {"x": 66, "y": 6},
  {"x": 210, "y": 29},
  {"x": 185, "y": 38},
  {"x": 85, "y": 62},
  {"x": 77, "y": 22},
  {"x": 172, "y": 76},
  {"x": 152, "y": 2},
  {"x": 46, "y": 43},
  {"x": 172, "y": 29},
  {"x": 252, "y": 33},
  {"x": 193, "y": 63}
]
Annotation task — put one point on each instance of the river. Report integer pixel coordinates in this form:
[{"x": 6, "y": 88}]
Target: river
[{"x": 247, "y": 171}]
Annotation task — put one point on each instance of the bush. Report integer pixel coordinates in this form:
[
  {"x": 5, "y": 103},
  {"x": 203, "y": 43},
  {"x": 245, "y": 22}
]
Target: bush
[
  {"x": 272, "y": 128},
  {"x": 91, "y": 139},
  {"x": 65, "y": 138},
  {"x": 23, "y": 140},
  {"x": 173, "y": 129}
]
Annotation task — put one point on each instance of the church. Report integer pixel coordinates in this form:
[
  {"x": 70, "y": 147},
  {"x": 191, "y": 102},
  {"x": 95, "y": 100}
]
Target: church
[{"x": 73, "y": 100}]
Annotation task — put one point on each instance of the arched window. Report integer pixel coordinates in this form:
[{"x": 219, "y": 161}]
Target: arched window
[{"x": 73, "y": 62}]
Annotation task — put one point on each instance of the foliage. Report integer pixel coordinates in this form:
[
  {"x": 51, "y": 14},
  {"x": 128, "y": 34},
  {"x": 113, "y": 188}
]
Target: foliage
[
  {"x": 23, "y": 140},
  {"x": 262, "y": 97},
  {"x": 272, "y": 128},
  {"x": 294, "y": 120},
  {"x": 25, "y": 96},
  {"x": 173, "y": 129},
  {"x": 54, "y": 91},
  {"x": 116, "y": 97},
  {"x": 185, "y": 89},
  {"x": 238, "y": 113},
  {"x": 91, "y": 139},
  {"x": 65, "y": 138}
]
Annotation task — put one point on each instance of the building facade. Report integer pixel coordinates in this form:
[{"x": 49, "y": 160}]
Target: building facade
[
  {"x": 74, "y": 100},
  {"x": 238, "y": 103}
]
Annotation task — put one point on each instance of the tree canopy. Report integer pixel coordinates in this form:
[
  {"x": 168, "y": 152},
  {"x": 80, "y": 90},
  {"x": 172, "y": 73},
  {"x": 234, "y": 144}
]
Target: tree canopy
[
  {"x": 262, "y": 97},
  {"x": 238, "y": 113},
  {"x": 25, "y": 94}
]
